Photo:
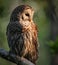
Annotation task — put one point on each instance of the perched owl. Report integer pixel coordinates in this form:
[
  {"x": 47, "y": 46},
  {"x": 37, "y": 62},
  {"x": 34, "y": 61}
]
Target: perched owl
[{"x": 22, "y": 33}]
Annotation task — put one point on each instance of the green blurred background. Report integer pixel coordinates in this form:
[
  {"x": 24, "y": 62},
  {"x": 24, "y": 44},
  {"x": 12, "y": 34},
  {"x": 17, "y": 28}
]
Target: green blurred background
[{"x": 46, "y": 18}]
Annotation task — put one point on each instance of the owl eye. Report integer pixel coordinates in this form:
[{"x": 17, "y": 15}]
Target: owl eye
[{"x": 27, "y": 14}]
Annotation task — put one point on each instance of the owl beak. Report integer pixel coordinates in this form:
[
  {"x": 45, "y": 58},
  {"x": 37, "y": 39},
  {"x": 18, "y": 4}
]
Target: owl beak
[{"x": 30, "y": 20}]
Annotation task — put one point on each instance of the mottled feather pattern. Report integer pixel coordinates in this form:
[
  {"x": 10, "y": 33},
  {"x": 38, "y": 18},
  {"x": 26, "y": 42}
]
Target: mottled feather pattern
[{"x": 22, "y": 33}]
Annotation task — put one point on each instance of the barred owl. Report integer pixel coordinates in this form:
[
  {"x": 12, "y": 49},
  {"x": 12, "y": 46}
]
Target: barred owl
[{"x": 22, "y": 33}]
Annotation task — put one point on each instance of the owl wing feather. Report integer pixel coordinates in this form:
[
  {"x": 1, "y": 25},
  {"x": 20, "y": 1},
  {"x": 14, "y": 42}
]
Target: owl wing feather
[{"x": 15, "y": 37}]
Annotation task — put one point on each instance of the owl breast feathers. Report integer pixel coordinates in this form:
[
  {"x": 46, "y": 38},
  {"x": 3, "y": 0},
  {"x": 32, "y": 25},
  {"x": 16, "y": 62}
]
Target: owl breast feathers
[{"x": 22, "y": 38}]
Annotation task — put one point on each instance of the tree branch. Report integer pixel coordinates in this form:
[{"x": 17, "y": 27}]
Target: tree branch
[{"x": 13, "y": 58}]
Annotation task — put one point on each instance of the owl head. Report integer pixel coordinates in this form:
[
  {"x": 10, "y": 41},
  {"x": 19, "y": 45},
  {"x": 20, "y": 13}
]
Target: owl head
[{"x": 22, "y": 13}]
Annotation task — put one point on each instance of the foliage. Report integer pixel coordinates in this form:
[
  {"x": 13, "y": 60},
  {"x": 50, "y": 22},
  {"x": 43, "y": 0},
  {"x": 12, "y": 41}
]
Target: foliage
[
  {"x": 53, "y": 46},
  {"x": 1, "y": 11},
  {"x": 24, "y": 0},
  {"x": 4, "y": 7}
]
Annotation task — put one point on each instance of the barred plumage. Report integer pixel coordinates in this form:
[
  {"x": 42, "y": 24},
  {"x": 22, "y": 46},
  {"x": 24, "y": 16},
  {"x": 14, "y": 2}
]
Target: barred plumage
[{"x": 22, "y": 33}]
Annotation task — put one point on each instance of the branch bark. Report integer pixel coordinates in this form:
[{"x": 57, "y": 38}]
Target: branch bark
[{"x": 13, "y": 58}]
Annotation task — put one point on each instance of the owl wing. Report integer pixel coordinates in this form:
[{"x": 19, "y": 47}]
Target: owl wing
[{"x": 15, "y": 37}]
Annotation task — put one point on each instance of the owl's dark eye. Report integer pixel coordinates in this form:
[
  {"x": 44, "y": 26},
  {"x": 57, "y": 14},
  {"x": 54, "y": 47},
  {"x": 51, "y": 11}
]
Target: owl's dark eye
[{"x": 27, "y": 14}]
